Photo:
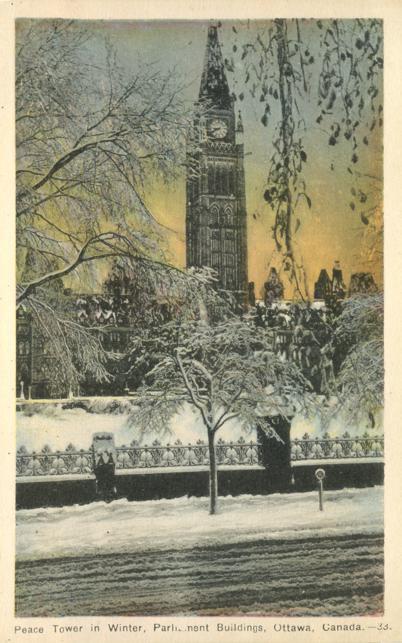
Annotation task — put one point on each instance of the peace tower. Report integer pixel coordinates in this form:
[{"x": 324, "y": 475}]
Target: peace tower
[{"x": 216, "y": 221}]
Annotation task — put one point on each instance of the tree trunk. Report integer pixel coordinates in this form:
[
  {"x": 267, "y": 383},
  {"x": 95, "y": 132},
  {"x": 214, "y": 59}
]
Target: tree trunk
[
  {"x": 276, "y": 454},
  {"x": 213, "y": 474}
]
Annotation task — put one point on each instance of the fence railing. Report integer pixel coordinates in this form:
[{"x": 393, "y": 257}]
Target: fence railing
[
  {"x": 365, "y": 446},
  {"x": 136, "y": 456},
  {"x": 47, "y": 462},
  {"x": 240, "y": 453},
  {"x": 178, "y": 454}
]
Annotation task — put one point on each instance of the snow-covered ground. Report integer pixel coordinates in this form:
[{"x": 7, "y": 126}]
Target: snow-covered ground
[
  {"x": 49, "y": 424},
  {"x": 124, "y": 526}
]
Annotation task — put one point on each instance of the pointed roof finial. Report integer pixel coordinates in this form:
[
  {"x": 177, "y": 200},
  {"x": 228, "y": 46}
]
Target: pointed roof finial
[
  {"x": 214, "y": 85},
  {"x": 239, "y": 128}
]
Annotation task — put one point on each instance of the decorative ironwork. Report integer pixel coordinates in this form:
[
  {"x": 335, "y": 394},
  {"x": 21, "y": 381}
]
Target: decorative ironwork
[
  {"x": 48, "y": 463},
  {"x": 240, "y": 453},
  {"x": 365, "y": 446},
  {"x": 186, "y": 455},
  {"x": 136, "y": 456}
]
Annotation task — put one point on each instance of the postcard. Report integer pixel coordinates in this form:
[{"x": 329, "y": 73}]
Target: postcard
[{"x": 201, "y": 435}]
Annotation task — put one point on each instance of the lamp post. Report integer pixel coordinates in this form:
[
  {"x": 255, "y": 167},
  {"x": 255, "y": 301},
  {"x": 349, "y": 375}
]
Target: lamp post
[{"x": 320, "y": 475}]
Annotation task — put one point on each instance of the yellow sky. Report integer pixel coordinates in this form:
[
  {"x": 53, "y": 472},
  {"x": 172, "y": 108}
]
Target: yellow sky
[{"x": 330, "y": 230}]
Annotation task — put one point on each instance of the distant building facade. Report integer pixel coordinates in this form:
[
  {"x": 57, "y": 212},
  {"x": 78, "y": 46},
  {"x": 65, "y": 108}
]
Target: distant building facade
[
  {"x": 34, "y": 358},
  {"x": 323, "y": 286},
  {"x": 362, "y": 283},
  {"x": 114, "y": 315},
  {"x": 24, "y": 353},
  {"x": 326, "y": 288},
  {"x": 338, "y": 285}
]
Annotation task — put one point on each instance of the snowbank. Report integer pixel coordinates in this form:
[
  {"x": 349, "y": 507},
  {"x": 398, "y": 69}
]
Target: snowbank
[
  {"x": 52, "y": 425},
  {"x": 123, "y": 526},
  {"x": 336, "y": 427},
  {"x": 49, "y": 424}
]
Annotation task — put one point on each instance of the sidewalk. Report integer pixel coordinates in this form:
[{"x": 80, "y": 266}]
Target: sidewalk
[{"x": 124, "y": 526}]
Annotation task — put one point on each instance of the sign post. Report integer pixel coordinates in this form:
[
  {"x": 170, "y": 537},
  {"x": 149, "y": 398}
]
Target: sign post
[
  {"x": 104, "y": 456},
  {"x": 320, "y": 475}
]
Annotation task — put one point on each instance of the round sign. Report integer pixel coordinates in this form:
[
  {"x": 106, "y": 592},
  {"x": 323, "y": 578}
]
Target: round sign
[{"x": 320, "y": 474}]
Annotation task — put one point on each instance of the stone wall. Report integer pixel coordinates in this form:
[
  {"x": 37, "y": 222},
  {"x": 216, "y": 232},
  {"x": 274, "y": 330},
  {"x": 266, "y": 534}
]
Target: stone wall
[{"x": 135, "y": 485}]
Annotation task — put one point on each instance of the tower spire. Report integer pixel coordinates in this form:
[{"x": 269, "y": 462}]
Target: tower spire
[
  {"x": 239, "y": 128},
  {"x": 214, "y": 87}
]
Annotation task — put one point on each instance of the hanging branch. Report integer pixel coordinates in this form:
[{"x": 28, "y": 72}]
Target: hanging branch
[{"x": 277, "y": 67}]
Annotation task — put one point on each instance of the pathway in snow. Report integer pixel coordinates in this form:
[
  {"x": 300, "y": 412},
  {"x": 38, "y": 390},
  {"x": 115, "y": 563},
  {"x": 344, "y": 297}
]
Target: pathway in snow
[
  {"x": 329, "y": 576},
  {"x": 184, "y": 523}
]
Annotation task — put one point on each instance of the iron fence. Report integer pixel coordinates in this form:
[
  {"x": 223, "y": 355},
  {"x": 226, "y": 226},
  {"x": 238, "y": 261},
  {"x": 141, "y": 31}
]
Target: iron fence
[
  {"x": 47, "y": 462},
  {"x": 365, "y": 446},
  {"x": 178, "y": 454},
  {"x": 240, "y": 453}
]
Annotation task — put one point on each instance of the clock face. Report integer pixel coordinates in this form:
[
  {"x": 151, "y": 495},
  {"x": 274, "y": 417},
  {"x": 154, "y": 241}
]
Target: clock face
[{"x": 218, "y": 129}]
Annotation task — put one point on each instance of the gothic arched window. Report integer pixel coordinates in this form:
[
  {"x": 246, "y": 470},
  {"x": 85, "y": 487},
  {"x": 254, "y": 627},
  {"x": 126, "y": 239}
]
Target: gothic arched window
[
  {"x": 211, "y": 178},
  {"x": 226, "y": 182},
  {"x": 229, "y": 218},
  {"x": 229, "y": 243},
  {"x": 231, "y": 189},
  {"x": 23, "y": 348},
  {"x": 230, "y": 278},
  {"x": 220, "y": 178},
  {"x": 214, "y": 215},
  {"x": 215, "y": 240}
]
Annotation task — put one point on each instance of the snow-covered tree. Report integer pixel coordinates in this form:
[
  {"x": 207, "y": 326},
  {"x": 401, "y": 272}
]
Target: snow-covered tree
[
  {"x": 360, "y": 380},
  {"x": 89, "y": 137},
  {"x": 74, "y": 333},
  {"x": 226, "y": 371}
]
